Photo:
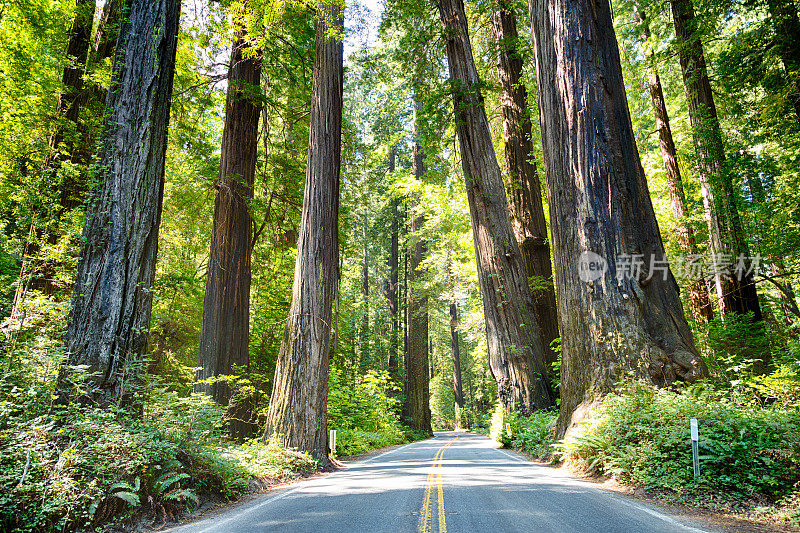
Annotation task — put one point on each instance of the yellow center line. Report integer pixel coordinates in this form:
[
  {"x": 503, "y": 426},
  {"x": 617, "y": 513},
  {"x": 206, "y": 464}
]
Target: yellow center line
[{"x": 435, "y": 475}]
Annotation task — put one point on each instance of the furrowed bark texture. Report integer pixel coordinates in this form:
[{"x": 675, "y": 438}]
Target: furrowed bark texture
[
  {"x": 524, "y": 190},
  {"x": 224, "y": 337},
  {"x": 698, "y": 290},
  {"x": 599, "y": 202},
  {"x": 297, "y": 409},
  {"x": 725, "y": 234},
  {"x": 417, "y": 390},
  {"x": 516, "y": 354},
  {"x": 110, "y": 314}
]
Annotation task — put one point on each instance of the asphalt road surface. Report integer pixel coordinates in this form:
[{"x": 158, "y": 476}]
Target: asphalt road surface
[{"x": 454, "y": 482}]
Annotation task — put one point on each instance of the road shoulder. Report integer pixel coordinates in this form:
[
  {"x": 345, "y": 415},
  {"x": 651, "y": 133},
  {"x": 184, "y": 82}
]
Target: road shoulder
[{"x": 716, "y": 520}]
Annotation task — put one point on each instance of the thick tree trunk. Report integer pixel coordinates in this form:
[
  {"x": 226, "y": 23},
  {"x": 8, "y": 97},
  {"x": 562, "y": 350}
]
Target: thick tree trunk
[
  {"x": 455, "y": 352},
  {"x": 110, "y": 315},
  {"x": 225, "y": 334},
  {"x": 516, "y": 354},
  {"x": 787, "y": 29},
  {"x": 735, "y": 294},
  {"x": 524, "y": 190},
  {"x": 612, "y": 324},
  {"x": 417, "y": 389},
  {"x": 698, "y": 290},
  {"x": 298, "y": 407},
  {"x": 391, "y": 287}
]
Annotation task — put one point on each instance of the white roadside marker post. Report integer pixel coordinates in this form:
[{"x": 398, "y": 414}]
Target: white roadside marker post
[
  {"x": 332, "y": 441},
  {"x": 695, "y": 450}
]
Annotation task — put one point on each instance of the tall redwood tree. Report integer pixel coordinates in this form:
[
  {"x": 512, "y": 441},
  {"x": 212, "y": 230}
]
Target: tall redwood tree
[
  {"x": 524, "y": 190},
  {"x": 110, "y": 314},
  {"x": 516, "y": 353},
  {"x": 619, "y": 320},
  {"x": 225, "y": 334},
  {"x": 416, "y": 408},
  {"x": 297, "y": 410}
]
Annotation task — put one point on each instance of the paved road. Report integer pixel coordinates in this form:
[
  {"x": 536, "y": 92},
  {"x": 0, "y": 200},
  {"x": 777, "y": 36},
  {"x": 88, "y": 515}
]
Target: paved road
[{"x": 454, "y": 482}]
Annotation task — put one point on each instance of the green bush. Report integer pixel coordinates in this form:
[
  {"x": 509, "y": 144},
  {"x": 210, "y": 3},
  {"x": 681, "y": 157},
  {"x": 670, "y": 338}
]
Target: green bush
[
  {"x": 739, "y": 346},
  {"x": 354, "y": 441},
  {"x": 497, "y": 426},
  {"x": 642, "y": 436},
  {"x": 365, "y": 413},
  {"x": 368, "y": 402},
  {"x": 532, "y": 434},
  {"x": 81, "y": 467}
]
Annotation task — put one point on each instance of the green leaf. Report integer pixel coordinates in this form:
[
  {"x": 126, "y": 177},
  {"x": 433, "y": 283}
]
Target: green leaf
[{"x": 129, "y": 497}]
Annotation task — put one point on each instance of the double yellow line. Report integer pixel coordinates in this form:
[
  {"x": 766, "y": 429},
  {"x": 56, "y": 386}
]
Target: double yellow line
[{"x": 434, "y": 478}]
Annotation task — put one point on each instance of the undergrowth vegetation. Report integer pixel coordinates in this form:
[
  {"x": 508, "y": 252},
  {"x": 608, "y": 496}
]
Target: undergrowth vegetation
[
  {"x": 66, "y": 468},
  {"x": 78, "y": 467},
  {"x": 364, "y": 411},
  {"x": 749, "y": 453}
]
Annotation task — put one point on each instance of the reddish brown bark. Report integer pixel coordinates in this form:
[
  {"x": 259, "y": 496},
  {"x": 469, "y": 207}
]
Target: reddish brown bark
[
  {"x": 524, "y": 190},
  {"x": 613, "y": 325},
  {"x": 516, "y": 354},
  {"x": 225, "y": 333},
  {"x": 298, "y": 408}
]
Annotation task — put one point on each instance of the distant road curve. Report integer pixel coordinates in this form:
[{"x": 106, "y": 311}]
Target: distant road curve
[{"x": 457, "y": 482}]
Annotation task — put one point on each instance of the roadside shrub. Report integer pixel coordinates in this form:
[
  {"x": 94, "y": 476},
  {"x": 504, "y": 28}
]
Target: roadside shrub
[
  {"x": 642, "y": 436},
  {"x": 739, "y": 345},
  {"x": 532, "y": 434},
  {"x": 81, "y": 467},
  {"x": 497, "y": 426},
  {"x": 369, "y": 403},
  {"x": 365, "y": 413},
  {"x": 354, "y": 441}
]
